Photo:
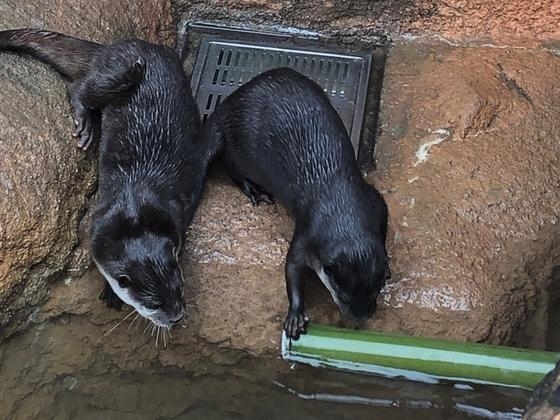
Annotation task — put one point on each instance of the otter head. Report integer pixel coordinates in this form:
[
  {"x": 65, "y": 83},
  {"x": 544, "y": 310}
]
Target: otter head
[
  {"x": 352, "y": 261},
  {"x": 354, "y": 274},
  {"x": 138, "y": 256}
]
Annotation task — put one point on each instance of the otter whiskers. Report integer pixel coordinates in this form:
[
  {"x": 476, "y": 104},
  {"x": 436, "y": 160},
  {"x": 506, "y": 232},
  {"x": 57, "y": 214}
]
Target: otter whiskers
[
  {"x": 162, "y": 333},
  {"x": 117, "y": 325}
]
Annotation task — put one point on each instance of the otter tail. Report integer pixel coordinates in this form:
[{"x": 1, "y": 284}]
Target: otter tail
[{"x": 69, "y": 56}]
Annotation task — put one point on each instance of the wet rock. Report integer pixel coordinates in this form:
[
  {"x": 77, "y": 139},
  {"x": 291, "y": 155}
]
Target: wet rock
[
  {"x": 234, "y": 268},
  {"x": 545, "y": 401},
  {"x": 470, "y": 170},
  {"x": 100, "y": 20},
  {"x": 468, "y": 160},
  {"x": 46, "y": 182},
  {"x": 514, "y": 22},
  {"x": 472, "y": 186},
  {"x": 474, "y": 217}
]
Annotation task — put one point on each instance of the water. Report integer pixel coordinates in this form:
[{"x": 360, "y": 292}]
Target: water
[{"x": 64, "y": 369}]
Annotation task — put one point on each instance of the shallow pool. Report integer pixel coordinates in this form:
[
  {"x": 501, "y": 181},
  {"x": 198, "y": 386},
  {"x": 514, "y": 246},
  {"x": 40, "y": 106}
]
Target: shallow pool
[{"x": 66, "y": 368}]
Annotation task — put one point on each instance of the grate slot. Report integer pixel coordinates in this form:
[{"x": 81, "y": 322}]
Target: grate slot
[{"x": 223, "y": 65}]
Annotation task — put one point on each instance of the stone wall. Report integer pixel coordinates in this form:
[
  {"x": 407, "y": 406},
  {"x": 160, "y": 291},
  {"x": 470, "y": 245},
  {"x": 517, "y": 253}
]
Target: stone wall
[
  {"x": 46, "y": 182},
  {"x": 514, "y": 22},
  {"x": 467, "y": 160}
]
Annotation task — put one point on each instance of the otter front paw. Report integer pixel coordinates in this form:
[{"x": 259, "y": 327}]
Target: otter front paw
[
  {"x": 261, "y": 197},
  {"x": 110, "y": 298},
  {"x": 256, "y": 193},
  {"x": 84, "y": 131},
  {"x": 296, "y": 323}
]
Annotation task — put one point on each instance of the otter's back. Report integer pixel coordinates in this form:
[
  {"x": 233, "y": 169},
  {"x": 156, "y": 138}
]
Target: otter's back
[
  {"x": 153, "y": 134},
  {"x": 285, "y": 134}
]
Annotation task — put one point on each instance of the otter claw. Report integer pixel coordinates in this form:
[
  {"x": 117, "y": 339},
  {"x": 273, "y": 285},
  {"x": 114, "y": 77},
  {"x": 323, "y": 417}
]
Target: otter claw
[
  {"x": 296, "y": 324},
  {"x": 83, "y": 120},
  {"x": 255, "y": 193},
  {"x": 261, "y": 198}
]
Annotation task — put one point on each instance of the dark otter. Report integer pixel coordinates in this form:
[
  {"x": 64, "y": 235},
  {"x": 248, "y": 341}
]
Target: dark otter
[
  {"x": 283, "y": 139},
  {"x": 152, "y": 164}
]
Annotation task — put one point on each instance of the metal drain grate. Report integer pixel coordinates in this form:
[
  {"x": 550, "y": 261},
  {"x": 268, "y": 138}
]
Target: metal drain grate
[{"x": 222, "y": 66}]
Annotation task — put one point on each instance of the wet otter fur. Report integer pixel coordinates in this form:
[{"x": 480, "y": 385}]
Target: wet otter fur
[
  {"x": 152, "y": 164},
  {"x": 282, "y": 139}
]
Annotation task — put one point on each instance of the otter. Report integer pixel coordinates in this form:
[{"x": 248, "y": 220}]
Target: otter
[
  {"x": 282, "y": 139},
  {"x": 152, "y": 163}
]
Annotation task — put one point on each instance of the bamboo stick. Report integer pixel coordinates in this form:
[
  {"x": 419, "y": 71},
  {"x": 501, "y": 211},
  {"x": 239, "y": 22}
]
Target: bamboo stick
[{"x": 420, "y": 359}]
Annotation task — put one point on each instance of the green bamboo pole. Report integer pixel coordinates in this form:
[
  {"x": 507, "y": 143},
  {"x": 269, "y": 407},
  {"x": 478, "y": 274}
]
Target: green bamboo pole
[{"x": 416, "y": 358}]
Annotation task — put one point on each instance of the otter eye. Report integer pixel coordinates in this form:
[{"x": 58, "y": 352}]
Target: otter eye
[
  {"x": 124, "y": 281},
  {"x": 328, "y": 270}
]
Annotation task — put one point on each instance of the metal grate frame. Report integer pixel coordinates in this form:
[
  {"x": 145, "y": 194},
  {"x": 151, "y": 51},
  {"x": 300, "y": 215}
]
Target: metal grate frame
[{"x": 223, "y": 65}]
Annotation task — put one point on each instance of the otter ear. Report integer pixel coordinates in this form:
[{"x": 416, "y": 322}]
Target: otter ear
[{"x": 124, "y": 281}]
